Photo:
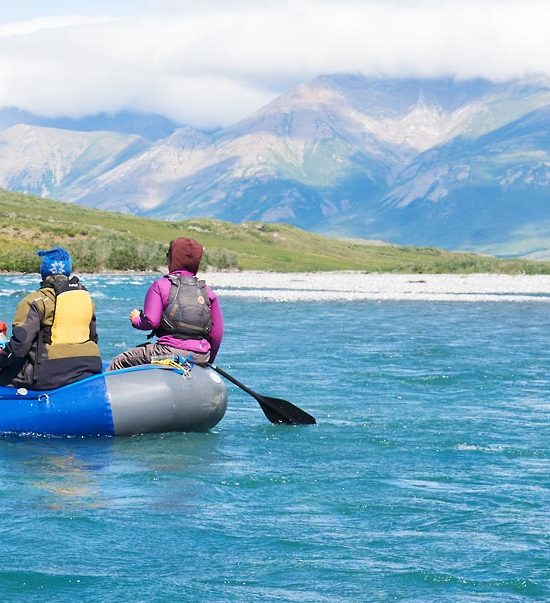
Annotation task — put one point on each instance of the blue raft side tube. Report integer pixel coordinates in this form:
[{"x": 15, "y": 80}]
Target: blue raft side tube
[
  {"x": 122, "y": 402},
  {"x": 78, "y": 409}
]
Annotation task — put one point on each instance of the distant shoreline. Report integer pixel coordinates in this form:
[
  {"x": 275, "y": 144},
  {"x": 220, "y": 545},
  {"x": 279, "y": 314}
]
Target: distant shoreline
[
  {"x": 357, "y": 286},
  {"x": 362, "y": 286}
]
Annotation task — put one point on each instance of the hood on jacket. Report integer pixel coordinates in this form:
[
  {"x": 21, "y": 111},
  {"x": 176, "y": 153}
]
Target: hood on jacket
[{"x": 184, "y": 254}]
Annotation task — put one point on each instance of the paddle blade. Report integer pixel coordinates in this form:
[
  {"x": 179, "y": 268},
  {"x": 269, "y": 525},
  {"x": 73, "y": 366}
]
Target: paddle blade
[
  {"x": 275, "y": 409},
  {"x": 282, "y": 411}
]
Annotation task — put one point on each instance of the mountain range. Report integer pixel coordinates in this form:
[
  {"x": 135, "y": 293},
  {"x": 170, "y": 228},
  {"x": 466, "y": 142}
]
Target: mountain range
[{"x": 463, "y": 165}]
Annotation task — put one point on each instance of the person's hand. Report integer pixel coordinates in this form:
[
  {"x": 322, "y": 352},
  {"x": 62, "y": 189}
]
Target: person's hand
[{"x": 134, "y": 314}]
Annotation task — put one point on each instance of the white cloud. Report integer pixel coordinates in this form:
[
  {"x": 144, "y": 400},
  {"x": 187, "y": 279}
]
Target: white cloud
[
  {"x": 213, "y": 63},
  {"x": 23, "y": 28}
]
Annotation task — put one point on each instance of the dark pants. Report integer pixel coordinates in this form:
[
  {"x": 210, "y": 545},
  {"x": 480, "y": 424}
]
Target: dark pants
[
  {"x": 143, "y": 353},
  {"x": 14, "y": 374}
]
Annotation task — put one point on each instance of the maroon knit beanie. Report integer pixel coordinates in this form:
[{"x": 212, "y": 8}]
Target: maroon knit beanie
[{"x": 184, "y": 254}]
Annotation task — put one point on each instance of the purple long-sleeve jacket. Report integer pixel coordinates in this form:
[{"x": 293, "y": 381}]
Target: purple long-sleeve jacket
[{"x": 156, "y": 299}]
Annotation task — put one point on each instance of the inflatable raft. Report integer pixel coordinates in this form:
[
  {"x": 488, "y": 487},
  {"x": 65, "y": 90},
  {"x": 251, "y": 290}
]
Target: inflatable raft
[{"x": 143, "y": 399}]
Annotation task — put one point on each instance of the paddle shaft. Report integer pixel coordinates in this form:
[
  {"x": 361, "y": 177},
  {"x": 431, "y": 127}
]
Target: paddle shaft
[{"x": 234, "y": 381}]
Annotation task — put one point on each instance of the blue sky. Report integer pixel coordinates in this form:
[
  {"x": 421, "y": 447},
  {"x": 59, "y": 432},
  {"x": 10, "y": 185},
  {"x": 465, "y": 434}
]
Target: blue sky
[{"x": 213, "y": 62}]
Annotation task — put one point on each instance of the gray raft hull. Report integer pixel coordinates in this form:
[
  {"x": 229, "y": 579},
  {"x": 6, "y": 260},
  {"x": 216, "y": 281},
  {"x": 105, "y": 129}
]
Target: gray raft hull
[{"x": 164, "y": 400}]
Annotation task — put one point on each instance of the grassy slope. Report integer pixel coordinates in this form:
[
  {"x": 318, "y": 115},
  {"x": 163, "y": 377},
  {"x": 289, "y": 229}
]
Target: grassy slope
[{"x": 101, "y": 240}]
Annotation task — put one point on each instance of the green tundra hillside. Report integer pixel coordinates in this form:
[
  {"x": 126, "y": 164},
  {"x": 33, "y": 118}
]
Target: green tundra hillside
[{"x": 103, "y": 241}]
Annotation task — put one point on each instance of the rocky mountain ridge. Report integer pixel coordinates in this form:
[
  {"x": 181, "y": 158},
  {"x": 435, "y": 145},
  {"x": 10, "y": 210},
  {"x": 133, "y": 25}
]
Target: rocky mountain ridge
[{"x": 456, "y": 164}]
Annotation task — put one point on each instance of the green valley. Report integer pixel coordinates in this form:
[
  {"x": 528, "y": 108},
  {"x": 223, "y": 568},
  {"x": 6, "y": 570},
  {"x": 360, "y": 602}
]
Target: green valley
[{"x": 107, "y": 241}]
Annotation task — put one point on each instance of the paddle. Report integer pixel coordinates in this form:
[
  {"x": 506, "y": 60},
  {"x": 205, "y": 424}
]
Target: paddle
[{"x": 275, "y": 409}]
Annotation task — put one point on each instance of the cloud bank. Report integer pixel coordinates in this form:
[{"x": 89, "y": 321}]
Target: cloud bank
[{"x": 214, "y": 64}]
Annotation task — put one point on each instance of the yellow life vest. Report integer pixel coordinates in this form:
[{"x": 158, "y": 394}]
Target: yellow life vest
[{"x": 73, "y": 313}]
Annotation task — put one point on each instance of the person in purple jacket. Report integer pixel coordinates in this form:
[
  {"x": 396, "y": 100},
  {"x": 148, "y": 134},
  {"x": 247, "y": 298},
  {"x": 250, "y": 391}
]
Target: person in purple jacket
[{"x": 182, "y": 311}]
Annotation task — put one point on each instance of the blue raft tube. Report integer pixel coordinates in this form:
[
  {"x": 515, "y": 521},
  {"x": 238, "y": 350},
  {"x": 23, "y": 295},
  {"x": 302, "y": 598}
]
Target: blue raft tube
[{"x": 144, "y": 399}]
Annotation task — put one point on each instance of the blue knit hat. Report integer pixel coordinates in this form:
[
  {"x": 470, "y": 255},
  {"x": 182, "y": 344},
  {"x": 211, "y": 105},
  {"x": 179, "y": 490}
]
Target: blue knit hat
[{"x": 55, "y": 261}]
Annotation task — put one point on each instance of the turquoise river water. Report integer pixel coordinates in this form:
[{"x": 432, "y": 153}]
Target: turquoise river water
[{"x": 426, "y": 478}]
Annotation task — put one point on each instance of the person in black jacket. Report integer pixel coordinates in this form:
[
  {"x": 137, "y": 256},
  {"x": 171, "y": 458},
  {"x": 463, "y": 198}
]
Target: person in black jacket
[{"x": 54, "y": 338}]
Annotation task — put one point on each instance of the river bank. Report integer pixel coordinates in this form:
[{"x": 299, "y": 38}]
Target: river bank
[
  {"x": 352, "y": 286},
  {"x": 329, "y": 286}
]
